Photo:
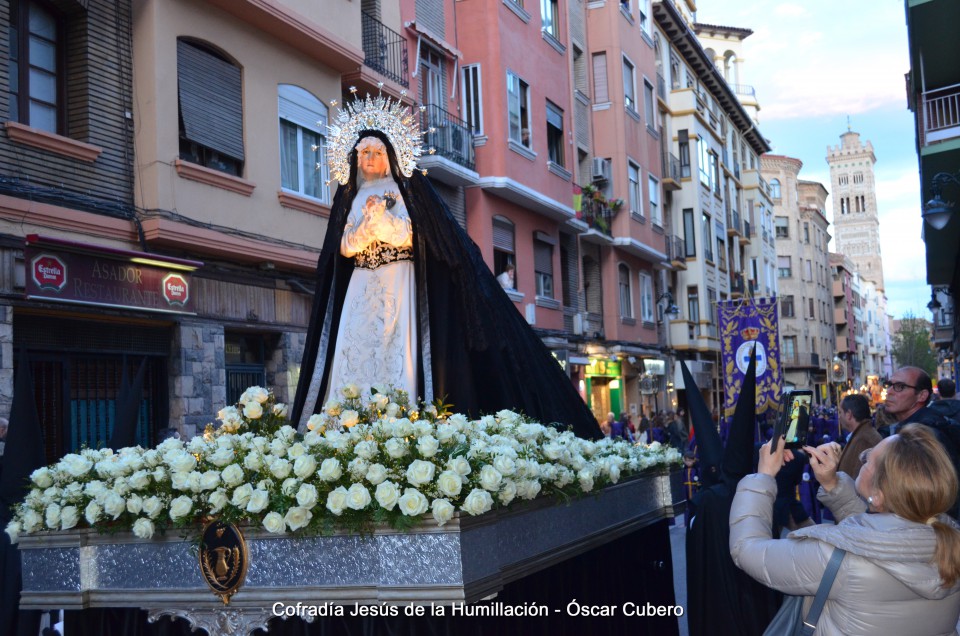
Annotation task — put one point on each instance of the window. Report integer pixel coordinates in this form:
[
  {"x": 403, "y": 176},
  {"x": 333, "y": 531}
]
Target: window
[
  {"x": 504, "y": 250},
  {"x": 636, "y": 197},
  {"x": 473, "y": 98},
  {"x": 684, "y": 154},
  {"x": 704, "y": 158},
  {"x": 648, "y": 109},
  {"x": 550, "y": 16},
  {"x": 782, "y": 225},
  {"x": 790, "y": 348},
  {"x": 721, "y": 255},
  {"x": 518, "y": 109},
  {"x": 623, "y": 284},
  {"x": 806, "y": 232},
  {"x": 211, "y": 108},
  {"x": 543, "y": 267},
  {"x": 601, "y": 95},
  {"x": 707, "y": 237},
  {"x": 689, "y": 237},
  {"x": 783, "y": 267},
  {"x": 809, "y": 270},
  {"x": 645, "y": 22},
  {"x": 711, "y": 305},
  {"x": 35, "y": 72},
  {"x": 714, "y": 172},
  {"x": 786, "y": 306},
  {"x": 432, "y": 80},
  {"x": 303, "y": 117},
  {"x": 555, "y": 145},
  {"x": 646, "y": 297},
  {"x": 693, "y": 304},
  {"x": 775, "y": 188},
  {"x": 858, "y": 177},
  {"x": 654, "y": 196},
  {"x": 812, "y": 314},
  {"x": 629, "y": 86}
]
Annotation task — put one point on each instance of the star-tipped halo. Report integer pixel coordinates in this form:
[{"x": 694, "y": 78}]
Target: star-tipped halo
[{"x": 381, "y": 113}]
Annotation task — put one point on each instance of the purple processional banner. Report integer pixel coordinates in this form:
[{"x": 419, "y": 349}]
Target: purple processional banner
[{"x": 744, "y": 323}]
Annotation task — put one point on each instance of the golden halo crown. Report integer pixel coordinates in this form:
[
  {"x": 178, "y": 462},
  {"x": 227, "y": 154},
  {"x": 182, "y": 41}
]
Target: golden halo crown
[{"x": 390, "y": 117}]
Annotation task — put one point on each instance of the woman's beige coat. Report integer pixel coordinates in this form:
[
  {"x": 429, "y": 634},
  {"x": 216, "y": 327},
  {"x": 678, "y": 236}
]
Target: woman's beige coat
[{"x": 887, "y": 583}]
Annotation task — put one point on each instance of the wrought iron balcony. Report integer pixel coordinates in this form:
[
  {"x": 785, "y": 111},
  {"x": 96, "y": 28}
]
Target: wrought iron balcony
[
  {"x": 941, "y": 114},
  {"x": 744, "y": 89},
  {"x": 598, "y": 214},
  {"x": 676, "y": 251},
  {"x": 736, "y": 284},
  {"x": 802, "y": 360},
  {"x": 661, "y": 87},
  {"x": 671, "y": 171},
  {"x": 746, "y": 229},
  {"x": 384, "y": 50},
  {"x": 451, "y": 136}
]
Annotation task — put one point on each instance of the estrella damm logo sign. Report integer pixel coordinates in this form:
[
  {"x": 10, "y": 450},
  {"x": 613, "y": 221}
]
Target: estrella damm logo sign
[
  {"x": 49, "y": 272},
  {"x": 176, "y": 290}
]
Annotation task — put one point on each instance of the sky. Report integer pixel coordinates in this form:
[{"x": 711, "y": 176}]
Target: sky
[{"x": 815, "y": 64}]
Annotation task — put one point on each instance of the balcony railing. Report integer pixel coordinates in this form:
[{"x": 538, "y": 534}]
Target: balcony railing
[
  {"x": 736, "y": 169},
  {"x": 744, "y": 89},
  {"x": 746, "y": 229},
  {"x": 671, "y": 166},
  {"x": 384, "y": 50},
  {"x": 806, "y": 360},
  {"x": 661, "y": 87},
  {"x": 736, "y": 284},
  {"x": 598, "y": 215},
  {"x": 676, "y": 248},
  {"x": 941, "y": 112},
  {"x": 451, "y": 136}
]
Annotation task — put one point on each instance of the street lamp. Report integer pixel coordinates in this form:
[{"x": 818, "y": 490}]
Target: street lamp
[
  {"x": 936, "y": 211},
  {"x": 671, "y": 308}
]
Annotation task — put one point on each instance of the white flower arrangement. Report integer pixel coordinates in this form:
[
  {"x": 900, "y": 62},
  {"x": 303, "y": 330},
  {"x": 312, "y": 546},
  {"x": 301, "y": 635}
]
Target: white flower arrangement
[{"x": 384, "y": 469}]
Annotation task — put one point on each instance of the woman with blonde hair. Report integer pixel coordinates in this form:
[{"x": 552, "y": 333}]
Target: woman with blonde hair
[{"x": 901, "y": 571}]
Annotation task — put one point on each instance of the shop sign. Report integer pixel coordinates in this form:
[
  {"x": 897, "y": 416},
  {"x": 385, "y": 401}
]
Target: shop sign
[
  {"x": 108, "y": 279},
  {"x": 604, "y": 367},
  {"x": 654, "y": 366}
]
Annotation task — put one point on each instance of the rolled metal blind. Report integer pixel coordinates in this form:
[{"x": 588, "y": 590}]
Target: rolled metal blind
[{"x": 211, "y": 100}]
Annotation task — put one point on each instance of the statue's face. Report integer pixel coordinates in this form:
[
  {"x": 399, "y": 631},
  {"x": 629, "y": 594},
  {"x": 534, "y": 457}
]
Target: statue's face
[{"x": 372, "y": 158}]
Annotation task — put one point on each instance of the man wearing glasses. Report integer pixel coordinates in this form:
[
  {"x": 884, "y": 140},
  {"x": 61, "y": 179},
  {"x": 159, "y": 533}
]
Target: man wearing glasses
[{"x": 908, "y": 393}]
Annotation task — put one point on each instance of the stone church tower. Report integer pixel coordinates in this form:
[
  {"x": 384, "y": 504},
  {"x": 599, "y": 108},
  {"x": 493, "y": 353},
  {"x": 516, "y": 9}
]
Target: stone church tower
[{"x": 856, "y": 226}]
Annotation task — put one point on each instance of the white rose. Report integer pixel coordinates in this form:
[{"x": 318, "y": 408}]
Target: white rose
[
  {"x": 42, "y": 478},
  {"x": 273, "y": 523},
  {"x": 289, "y": 486},
  {"x": 217, "y": 500},
  {"x": 396, "y": 447},
  {"x": 278, "y": 447},
  {"x": 337, "y": 500},
  {"x": 442, "y": 511},
  {"x": 76, "y": 465},
  {"x": 253, "y": 461},
  {"x": 586, "y": 480},
  {"x": 210, "y": 480},
  {"x": 332, "y": 408},
  {"x": 366, "y": 449},
  {"x": 315, "y": 422},
  {"x": 376, "y": 473},
  {"x": 180, "y": 481},
  {"x": 358, "y": 467},
  {"x": 114, "y": 505},
  {"x": 403, "y": 428},
  {"x": 221, "y": 457},
  {"x": 420, "y": 472},
  {"x": 253, "y": 410},
  {"x": 297, "y": 518},
  {"x": 159, "y": 474},
  {"x": 349, "y": 418},
  {"x": 552, "y": 451},
  {"x": 379, "y": 401},
  {"x": 445, "y": 432},
  {"x": 358, "y": 497},
  {"x": 296, "y": 450},
  {"x": 52, "y": 516},
  {"x": 180, "y": 507},
  {"x": 256, "y": 394},
  {"x": 69, "y": 517},
  {"x": 392, "y": 409},
  {"x": 351, "y": 391},
  {"x": 413, "y": 503},
  {"x": 242, "y": 495},
  {"x": 279, "y": 467},
  {"x": 459, "y": 465},
  {"x": 504, "y": 465},
  {"x": 528, "y": 489},
  {"x": 13, "y": 530},
  {"x": 507, "y": 492},
  {"x": 330, "y": 469},
  {"x": 95, "y": 489},
  {"x": 153, "y": 506},
  {"x": 139, "y": 480},
  {"x": 259, "y": 500},
  {"x": 280, "y": 410},
  {"x": 134, "y": 504},
  {"x": 428, "y": 446},
  {"x": 232, "y": 475},
  {"x": 490, "y": 478},
  {"x": 180, "y": 461},
  {"x": 477, "y": 502},
  {"x": 143, "y": 528},
  {"x": 307, "y": 496},
  {"x": 387, "y": 495},
  {"x": 304, "y": 466},
  {"x": 32, "y": 521},
  {"x": 92, "y": 513},
  {"x": 450, "y": 483},
  {"x": 229, "y": 416}
]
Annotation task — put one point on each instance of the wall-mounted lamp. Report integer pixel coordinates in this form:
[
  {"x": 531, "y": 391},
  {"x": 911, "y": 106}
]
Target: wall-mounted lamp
[
  {"x": 936, "y": 211},
  {"x": 934, "y": 304},
  {"x": 671, "y": 308}
]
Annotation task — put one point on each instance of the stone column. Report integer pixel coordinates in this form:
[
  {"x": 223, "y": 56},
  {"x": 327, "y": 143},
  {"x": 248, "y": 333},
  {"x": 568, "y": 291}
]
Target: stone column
[
  {"x": 6, "y": 359},
  {"x": 198, "y": 376},
  {"x": 283, "y": 366}
]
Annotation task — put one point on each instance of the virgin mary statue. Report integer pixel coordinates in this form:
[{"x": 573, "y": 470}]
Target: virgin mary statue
[{"x": 404, "y": 298}]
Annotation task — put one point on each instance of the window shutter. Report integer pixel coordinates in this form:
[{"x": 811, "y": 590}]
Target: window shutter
[
  {"x": 211, "y": 100},
  {"x": 503, "y": 236},
  {"x": 600, "y": 93},
  {"x": 554, "y": 117},
  {"x": 543, "y": 257},
  {"x": 302, "y": 109}
]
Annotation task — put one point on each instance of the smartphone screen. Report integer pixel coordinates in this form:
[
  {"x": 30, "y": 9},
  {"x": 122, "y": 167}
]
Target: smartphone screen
[
  {"x": 793, "y": 422},
  {"x": 797, "y": 405}
]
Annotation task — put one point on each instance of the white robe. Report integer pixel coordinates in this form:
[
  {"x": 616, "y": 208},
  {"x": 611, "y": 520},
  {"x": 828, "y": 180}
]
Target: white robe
[{"x": 377, "y": 338}]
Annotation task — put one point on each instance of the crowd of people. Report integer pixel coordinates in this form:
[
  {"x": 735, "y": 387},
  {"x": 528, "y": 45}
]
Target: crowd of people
[{"x": 665, "y": 427}]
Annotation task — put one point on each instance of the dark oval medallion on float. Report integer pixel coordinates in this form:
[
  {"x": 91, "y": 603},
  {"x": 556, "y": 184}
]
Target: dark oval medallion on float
[{"x": 223, "y": 558}]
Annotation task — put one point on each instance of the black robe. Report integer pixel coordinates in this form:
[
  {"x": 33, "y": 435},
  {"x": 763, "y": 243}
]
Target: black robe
[{"x": 484, "y": 356}]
